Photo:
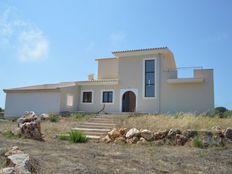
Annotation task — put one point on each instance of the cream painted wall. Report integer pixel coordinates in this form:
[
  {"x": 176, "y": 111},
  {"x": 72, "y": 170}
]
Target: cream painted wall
[
  {"x": 131, "y": 76},
  {"x": 39, "y": 102},
  {"x": 97, "y": 98},
  {"x": 186, "y": 97},
  {"x": 107, "y": 68}
]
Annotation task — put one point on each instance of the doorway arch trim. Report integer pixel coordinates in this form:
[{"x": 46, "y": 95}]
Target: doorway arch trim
[{"x": 135, "y": 91}]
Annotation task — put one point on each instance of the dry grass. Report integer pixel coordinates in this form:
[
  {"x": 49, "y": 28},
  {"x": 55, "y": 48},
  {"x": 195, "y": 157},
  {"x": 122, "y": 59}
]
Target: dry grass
[
  {"x": 49, "y": 129},
  {"x": 183, "y": 121}
]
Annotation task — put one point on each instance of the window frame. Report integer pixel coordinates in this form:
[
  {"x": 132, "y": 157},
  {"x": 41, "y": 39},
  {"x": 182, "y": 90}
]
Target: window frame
[
  {"x": 155, "y": 78},
  {"x": 107, "y": 90},
  {"x": 82, "y": 95}
]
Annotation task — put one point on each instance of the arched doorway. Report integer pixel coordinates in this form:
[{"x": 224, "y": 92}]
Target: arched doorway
[{"x": 128, "y": 102}]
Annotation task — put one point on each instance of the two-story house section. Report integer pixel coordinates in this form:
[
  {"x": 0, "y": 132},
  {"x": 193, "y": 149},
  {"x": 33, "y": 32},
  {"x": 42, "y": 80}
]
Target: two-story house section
[{"x": 143, "y": 81}]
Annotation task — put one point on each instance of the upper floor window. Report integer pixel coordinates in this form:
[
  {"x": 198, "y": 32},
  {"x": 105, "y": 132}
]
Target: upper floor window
[
  {"x": 87, "y": 97},
  {"x": 107, "y": 97},
  {"x": 150, "y": 78}
]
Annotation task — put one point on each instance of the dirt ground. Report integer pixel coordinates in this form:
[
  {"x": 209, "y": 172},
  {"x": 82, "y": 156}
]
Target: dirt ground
[{"x": 64, "y": 157}]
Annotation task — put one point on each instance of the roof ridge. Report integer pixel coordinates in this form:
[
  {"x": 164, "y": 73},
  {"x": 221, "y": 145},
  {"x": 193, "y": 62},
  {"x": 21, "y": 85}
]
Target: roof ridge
[{"x": 144, "y": 49}]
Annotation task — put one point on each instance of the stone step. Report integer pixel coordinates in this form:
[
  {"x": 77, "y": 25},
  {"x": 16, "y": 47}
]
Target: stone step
[
  {"x": 89, "y": 129},
  {"x": 93, "y": 136},
  {"x": 88, "y": 136},
  {"x": 102, "y": 121},
  {"x": 103, "y": 124},
  {"x": 95, "y": 126}
]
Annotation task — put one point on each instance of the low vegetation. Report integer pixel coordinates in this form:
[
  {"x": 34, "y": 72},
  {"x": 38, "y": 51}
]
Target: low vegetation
[
  {"x": 8, "y": 134},
  {"x": 180, "y": 120},
  {"x": 77, "y": 137},
  {"x": 54, "y": 118},
  {"x": 197, "y": 142},
  {"x": 73, "y": 136},
  {"x": 82, "y": 116}
]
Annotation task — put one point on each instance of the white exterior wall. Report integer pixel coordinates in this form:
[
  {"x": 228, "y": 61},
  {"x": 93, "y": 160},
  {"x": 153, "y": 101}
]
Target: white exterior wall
[
  {"x": 39, "y": 102},
  {"x": 97, "y": 104},
  {"x": 72, "y": 91}
]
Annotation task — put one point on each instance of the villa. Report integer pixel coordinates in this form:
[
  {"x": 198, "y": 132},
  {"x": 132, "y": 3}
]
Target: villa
[{"x": 143, "y": 81}]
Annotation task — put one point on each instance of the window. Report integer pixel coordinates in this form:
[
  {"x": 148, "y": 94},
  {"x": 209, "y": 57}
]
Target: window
[
  {"x": 150, "y": 78},
  {"x": 69, "y": 100},
  {"x": 107, "y": 97},
  {"x": 87, "y": 97}
]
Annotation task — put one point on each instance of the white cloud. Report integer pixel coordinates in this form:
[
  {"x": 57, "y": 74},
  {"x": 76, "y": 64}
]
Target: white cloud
[
  {"x": 24, "y": 38},
  {"x": 33, "y": 46}
]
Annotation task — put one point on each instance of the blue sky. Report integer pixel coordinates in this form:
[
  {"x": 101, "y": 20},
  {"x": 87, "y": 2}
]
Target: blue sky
[{"x": 53, "y": 41}]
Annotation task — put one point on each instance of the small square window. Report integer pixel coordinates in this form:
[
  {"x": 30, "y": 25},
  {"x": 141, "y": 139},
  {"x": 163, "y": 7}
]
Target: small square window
[
  {"x": 69, "y": 100},
  {"x": 87, "y": 97},
  {"x": 107, "y": 97}
]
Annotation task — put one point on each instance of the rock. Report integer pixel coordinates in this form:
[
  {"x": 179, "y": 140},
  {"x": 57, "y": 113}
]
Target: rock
[
  {"x": 123, "y": 131},
  {"x": 217, "y": 128},
  {"x": 132, "y": 132},
  {"x": 106, "y": 139},
  {"x": 132, "y": 140},
  {"x": 142, "y": 141},
  {"x": 228, "y": 133},
  {"x": 190, "y": 133},
  {"x": 147, "y": 135},
  {"x": 44, "y": 116},
  {"x": 159, "y": 142},
  {"x": 20, "y": 163},
  {"x": 181, "y": 139},
  {"x": 120, "y": 140},
  {"x": 13, "y": 150},
  {"x": 16, "y": 159},
  {"x": 172, "y": 132},
  {"x": 114, "y": 133},
  {"x": 161, "y": 134},
  {"x": 8, "y": 170},
  {"x": 29, "y": 125}
]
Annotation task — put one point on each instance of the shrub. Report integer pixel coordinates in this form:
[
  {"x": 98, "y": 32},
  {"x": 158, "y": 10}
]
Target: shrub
[
  {"x": 63, "y": 136},
  {"x": 228, "y": 114},
  {"x": 8, "y": 134},
  {"x": 220, "y": 111},
  {"x": 77, "y": 137},
  {"x": 197, "y": 142},
  {"x": 1, "y": 110},
  {"x": 54, "y": 118}
]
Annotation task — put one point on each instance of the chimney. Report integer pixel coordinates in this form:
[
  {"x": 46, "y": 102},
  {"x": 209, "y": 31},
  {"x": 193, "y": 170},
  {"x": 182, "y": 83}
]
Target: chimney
[{"x": 91, "y": 77}]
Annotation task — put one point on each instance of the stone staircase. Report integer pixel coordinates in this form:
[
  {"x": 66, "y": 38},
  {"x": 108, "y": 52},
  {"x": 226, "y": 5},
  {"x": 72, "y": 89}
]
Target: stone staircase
[{"x": 96, "y": 127}]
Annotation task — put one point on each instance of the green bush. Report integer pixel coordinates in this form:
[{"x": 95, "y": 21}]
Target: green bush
[
  {"x": 77, "y": 137},
  {"x": 228, "y": 114},
  {"x": 54, "y": 118},
  {"x": 197, "y": 142},
  {"x": 63, "y": 136},
  {"x": 220, "y": 111},
  {"x": 8, "y": 134}
]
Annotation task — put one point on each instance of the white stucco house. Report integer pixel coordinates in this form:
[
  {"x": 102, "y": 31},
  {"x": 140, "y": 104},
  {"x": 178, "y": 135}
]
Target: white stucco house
[{"x": 143, "y": 81}]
